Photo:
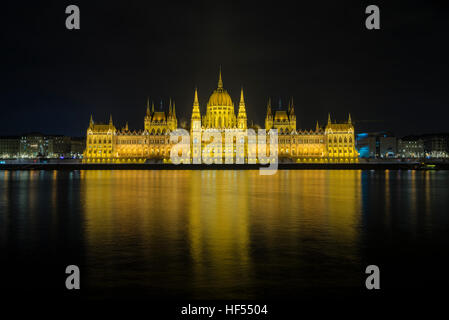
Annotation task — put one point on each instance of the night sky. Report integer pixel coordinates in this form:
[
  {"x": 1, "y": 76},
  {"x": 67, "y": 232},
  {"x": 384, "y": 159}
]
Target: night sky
[{"x": 321, "y": 54}]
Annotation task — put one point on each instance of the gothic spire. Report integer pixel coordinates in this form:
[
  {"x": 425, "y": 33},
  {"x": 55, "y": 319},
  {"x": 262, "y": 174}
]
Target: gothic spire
[
  {"x": 196, "y": 108},
  {"x": 195, "y": 100},
  {"x": 169, "y": 107},
  {"x": 242, "y": 104},
  {"x": 349, "y": 119},
  {"x": 269, "y": 106},
  {"x": 329, "y": 119}
]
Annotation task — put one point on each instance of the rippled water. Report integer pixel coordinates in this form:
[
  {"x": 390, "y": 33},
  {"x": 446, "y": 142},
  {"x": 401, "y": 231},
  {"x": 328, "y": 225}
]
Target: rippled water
[{"x": 223, "y": 234}]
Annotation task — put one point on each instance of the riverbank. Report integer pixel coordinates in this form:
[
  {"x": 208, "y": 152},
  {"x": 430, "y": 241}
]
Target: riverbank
[{"x": 281, "y": 166}]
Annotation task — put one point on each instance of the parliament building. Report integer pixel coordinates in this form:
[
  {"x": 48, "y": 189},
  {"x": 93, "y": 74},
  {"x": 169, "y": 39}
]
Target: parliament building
[{"x": 333, "y": 143}]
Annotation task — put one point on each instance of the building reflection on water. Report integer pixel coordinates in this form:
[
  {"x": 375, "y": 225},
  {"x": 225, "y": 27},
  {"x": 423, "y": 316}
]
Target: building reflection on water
[
  {"x": 217, "y": 230},
  {"x": 220, "y": 234}
]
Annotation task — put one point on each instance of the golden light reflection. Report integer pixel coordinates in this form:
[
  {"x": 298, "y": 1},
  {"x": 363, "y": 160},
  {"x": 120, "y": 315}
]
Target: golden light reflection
[{"x": 220, "y": 215}]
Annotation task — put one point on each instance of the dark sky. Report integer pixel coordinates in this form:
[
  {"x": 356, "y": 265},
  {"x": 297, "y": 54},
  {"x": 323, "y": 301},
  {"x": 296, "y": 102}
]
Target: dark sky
[{"x": 320, "y": 53}]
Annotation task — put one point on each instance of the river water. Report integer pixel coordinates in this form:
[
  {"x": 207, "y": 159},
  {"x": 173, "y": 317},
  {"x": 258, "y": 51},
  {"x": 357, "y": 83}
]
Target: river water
[{"x": 223, "y": 234}]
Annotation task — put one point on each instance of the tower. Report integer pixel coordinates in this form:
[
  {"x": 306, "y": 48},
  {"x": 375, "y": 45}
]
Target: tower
[
  {"x": 147, "y": 119},
  {"x": 220, "y": 112},
  {"x": 241, "y": 118},
  {"x": 174, "y": 120},
  {"x": 292, "y": 116},
  {"x": 196, "y": 115},
  {"x": 269, "y": 117},
  {"x": 195, "y": 131}
]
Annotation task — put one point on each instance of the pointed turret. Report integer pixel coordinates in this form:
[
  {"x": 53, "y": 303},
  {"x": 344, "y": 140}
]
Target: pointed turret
[
  {"x": 291, "y": 115},
  {"x": 292, "y": 107},
  {"x": 329, "y": 119},
  {"x": 195, "y": 99},
  {"x": 175, "y": 121},
  {"x": 349, "y": 119},
  {"x": 148, "y": 107},
  {"x": 169, "y": 108},
  {"x": 126, "y": 126},
  {"x": 110, "y": 120},
  {"x": 148, "y": 116},
  {"x": 269, "y": 117},
  {"x": 196, "y": 115},
  {"x": 317, "y": 126},
  {"x": 241, "y": 118},
  {"x": 91, "y": 121}
]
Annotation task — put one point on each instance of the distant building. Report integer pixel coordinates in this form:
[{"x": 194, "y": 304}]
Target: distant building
[
  {"x": 77, "y": 147},
  {"x": 436, "y": 145},
  {"x": 411, "y": 147},
  {"x": 33, "y": 145},
  {"x": 59, "y": 147},
  {"x": 9, "y": 147},
  {"x": 388, "y": 147},
  {"x": 38, "y": 145},
  {"x": 376, "y": 145}
]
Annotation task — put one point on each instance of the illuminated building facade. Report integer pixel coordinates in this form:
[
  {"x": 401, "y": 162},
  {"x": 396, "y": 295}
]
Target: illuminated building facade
[
  {"x": 106, "y": 144},
  {"x": 333, "y": 143}
]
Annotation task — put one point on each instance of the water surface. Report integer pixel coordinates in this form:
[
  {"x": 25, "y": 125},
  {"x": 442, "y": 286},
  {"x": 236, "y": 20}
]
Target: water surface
[{"x": 223, "y": 234}]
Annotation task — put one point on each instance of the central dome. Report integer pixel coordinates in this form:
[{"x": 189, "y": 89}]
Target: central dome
[{"x": 220, "y": 97}]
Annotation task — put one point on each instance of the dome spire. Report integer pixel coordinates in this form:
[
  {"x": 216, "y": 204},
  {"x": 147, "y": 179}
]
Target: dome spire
[{"x": 220, "y": 81}]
